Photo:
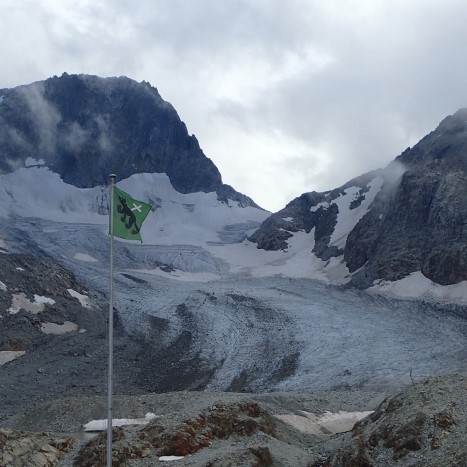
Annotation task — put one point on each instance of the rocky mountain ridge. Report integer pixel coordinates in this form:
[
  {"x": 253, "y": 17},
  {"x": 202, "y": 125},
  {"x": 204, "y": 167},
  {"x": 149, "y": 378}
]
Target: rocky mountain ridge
[
  {"x": 380, "y": 227},
  {"x": 85, "y": 127},
  {"x": 416, "y": 221}
]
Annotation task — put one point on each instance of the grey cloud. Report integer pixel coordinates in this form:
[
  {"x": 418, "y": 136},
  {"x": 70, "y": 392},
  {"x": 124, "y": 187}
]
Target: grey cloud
[
  {"x": 376, "y": 98},
  {"x": 74, "y": 135},
  {"x": 44, "y": 116},
  {"x": 394, "y": 70},
  {"x": 105, "y": 141}
]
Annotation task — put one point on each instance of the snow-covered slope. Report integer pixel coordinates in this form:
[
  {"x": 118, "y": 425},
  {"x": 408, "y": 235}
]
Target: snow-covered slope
[
  {"x": 178, "y": 226},
  {"x": 196, "y": 236},
  {"x": 309, "y": 235},
  {"x": 176, "y": 218}
]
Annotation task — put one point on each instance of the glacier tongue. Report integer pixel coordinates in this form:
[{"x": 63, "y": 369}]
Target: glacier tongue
[
  {"x": 240, "y": 333},
  {"x": 208, "y": 310}
]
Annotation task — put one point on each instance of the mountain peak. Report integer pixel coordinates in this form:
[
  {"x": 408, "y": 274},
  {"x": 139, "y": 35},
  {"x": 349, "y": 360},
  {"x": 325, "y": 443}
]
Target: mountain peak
[
  {"x": 444, "y": 148},
  {"x": 85, "y": 127}
]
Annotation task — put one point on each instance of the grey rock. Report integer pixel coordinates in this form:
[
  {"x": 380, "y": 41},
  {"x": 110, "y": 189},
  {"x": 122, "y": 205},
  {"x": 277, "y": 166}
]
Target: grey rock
[
  {"x": 423, "y": 425},
  {"x": 418, "y": 223}
]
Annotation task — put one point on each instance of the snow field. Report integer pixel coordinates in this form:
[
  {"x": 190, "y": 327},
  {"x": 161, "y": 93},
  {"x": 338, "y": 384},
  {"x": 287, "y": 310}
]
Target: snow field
[
  {"x": 308, "y": 422},
  {"x": 9, "y": 355}
]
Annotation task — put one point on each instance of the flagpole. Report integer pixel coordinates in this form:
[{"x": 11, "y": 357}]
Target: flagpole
[{"x": 112, "y": 178}]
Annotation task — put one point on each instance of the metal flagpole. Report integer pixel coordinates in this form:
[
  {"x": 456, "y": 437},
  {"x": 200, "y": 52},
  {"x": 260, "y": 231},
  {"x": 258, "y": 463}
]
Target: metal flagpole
[{"x": 111, "y": 324}]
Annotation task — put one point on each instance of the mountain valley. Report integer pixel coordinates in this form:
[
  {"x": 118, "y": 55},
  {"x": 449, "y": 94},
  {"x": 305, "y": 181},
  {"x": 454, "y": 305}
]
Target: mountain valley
[{"x": 340, "y": 298}]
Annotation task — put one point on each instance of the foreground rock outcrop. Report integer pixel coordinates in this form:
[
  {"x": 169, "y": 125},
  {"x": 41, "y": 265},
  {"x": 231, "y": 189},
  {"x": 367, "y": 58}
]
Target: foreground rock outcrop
[
  {"x": 18, "y": 449},
  {"x": 172, "y": 437},
  {"x": 425, "y": 425}
]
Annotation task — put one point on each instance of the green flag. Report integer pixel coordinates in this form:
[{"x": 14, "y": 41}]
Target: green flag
[{"x": 128, "y": 215}]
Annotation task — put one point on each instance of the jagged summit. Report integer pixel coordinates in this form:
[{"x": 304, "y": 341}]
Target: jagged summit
[
  {"x": 85, "y": 127},
  {"x": 444, "y": 149}
]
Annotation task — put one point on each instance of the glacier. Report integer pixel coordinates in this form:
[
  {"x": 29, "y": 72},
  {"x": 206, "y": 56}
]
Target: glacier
[{"x": 213, "y": 312}]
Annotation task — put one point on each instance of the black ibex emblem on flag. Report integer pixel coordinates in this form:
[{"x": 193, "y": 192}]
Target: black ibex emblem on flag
[{"x": 128, "y": 214}]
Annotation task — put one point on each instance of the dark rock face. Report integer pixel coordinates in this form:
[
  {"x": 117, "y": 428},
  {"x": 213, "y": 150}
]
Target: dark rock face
[
  {"x": 55, "y": 363},
  {"x": 29, "y": 275},
  {"x": 226, "y": 192},
  {"x": 276, "y": 229},
  {"x": 420, "y": 223},
  {"x": 301, "y": 214},
  {"x": 323, "y": 232},
  {"x": 417, "y": 221},
  {"x": 85, "y": 127},
  {"x": 442, "y": 150}
]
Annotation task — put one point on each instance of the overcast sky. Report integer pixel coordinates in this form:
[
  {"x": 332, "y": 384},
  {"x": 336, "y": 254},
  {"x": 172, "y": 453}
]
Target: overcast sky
[{"x": 284, "y": 96}]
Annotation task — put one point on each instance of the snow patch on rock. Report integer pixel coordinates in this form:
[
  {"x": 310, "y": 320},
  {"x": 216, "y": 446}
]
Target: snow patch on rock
[
  {"x": 101, "y": 425},
  {"x": 416, "y": 285},
  {"x": 44, "y": 300},
  {"x": 58, "y": 329},
  {"x": 83, "y": 299},
  {"x": 9, "y": 355},
  {"x": 348, "y": 218},
  {"x": 324, "y": 424},
  {"x": 21, "y": 302}
]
